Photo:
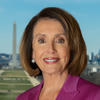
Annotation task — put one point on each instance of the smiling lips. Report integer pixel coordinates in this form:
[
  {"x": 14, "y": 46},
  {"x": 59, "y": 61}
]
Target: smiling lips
[{"x": 51, "y": 60}]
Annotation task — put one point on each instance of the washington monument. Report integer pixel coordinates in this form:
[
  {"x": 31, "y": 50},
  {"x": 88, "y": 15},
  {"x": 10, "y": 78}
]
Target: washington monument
[{"x": 14, "y": 46}]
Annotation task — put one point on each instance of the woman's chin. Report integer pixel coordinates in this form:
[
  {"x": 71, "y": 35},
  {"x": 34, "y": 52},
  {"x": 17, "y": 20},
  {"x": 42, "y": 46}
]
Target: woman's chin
[{"x": 51, "y": 71}]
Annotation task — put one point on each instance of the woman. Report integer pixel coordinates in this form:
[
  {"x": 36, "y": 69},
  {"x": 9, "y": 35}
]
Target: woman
[{"x": 53, "y": 39}]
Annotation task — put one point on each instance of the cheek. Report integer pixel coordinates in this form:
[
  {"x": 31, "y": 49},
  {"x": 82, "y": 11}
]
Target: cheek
[
  {"x": 37, "y": 52},
  {"x": 64, "y": 52}
]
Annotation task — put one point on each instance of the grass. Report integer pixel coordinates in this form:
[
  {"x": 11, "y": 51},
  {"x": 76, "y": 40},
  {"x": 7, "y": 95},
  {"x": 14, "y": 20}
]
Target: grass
[
  {"x": 7, "y": 96},
  {"x": 14, "y": 80},
  {"x": 13, "y": 73},
  {"x": 15, "y": 87},
  {"x": 12, "y": 83}
]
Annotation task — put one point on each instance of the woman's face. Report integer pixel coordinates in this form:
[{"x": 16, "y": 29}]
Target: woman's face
[{"x": 50, "y": 46}]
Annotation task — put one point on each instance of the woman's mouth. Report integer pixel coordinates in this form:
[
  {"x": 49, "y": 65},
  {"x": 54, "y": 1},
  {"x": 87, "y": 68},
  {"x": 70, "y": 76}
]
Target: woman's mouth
[{"x": 51, "y": 60}]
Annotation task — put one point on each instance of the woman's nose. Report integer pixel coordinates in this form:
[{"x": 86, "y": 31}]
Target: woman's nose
[{"x": 51, "y": 48}]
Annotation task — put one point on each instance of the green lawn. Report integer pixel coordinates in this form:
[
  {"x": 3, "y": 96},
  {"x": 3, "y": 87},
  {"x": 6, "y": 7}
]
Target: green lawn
[
  {"x": 15, "y": 87},
  {"x": 14, "y": 80},
  {"x": 13, "y": 73},
  {"x": 8, "y": 96},
  {"x": 12, "y": 83}
]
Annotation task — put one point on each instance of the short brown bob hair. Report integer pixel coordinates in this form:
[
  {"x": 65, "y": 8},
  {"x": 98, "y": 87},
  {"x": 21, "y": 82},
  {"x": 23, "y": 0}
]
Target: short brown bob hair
[{"x": 78, "y": 54}]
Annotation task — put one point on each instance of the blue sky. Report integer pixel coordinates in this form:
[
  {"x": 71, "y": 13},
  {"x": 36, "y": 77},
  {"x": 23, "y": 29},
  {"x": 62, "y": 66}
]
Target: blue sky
[{"x": 86, "y": 12}]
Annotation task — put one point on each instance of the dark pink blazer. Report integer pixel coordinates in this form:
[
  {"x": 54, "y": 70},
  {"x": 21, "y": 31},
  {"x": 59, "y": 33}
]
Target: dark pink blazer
[{"x": 74, "y": 88}]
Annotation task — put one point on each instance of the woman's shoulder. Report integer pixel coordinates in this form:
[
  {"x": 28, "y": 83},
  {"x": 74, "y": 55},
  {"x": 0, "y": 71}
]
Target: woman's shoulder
[
  {"x": 83, "y": 83},
  {"x": 89, "y": 88},
  {"x": 25, "y": 95}
]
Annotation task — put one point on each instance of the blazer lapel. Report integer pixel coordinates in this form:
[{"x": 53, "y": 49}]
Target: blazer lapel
[
  {"x": 69, "y": 89},
  {"x": 34, "y": 95}
]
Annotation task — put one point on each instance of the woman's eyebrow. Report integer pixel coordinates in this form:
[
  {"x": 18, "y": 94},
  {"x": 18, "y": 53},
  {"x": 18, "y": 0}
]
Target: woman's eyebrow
[
  {"x": 60, "y": 34},
  {"x": 39, "y": 34},
  {"x": 42, "y": 34}
]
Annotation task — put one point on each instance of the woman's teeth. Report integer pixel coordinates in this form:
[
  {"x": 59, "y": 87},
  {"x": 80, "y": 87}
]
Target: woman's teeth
[{"x": 51, "y": 60}]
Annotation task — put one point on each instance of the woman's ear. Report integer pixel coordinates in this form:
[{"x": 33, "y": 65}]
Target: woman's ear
[
  {"x": 33, "y": 58},
  {"x": 33, "y": 55}
]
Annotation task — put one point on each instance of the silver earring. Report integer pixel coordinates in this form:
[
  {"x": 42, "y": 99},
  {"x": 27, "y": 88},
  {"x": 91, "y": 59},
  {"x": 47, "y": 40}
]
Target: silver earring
[{"x": 33, "y": 61}]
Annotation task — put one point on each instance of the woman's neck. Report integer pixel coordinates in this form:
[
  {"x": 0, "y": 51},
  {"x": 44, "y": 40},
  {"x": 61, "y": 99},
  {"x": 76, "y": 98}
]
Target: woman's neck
[{"x": 54, "y": 82}]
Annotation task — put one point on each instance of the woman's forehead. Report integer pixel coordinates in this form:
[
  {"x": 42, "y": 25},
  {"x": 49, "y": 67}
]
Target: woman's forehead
[{"x": 48, "y": 26}]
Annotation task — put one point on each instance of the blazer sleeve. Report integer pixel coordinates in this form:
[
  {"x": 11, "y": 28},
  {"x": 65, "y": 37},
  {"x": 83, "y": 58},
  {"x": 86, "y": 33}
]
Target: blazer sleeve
[
  {"x": 23, "y": 96},
  {"x": 97, "y": 95},
  {"x": 20, "y": 97}
]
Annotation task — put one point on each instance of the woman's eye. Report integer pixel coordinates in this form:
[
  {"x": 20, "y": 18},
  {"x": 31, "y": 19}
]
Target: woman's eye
[
  {"x": 61, "y": 40},
  {"x": 41, "y": 41}
]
